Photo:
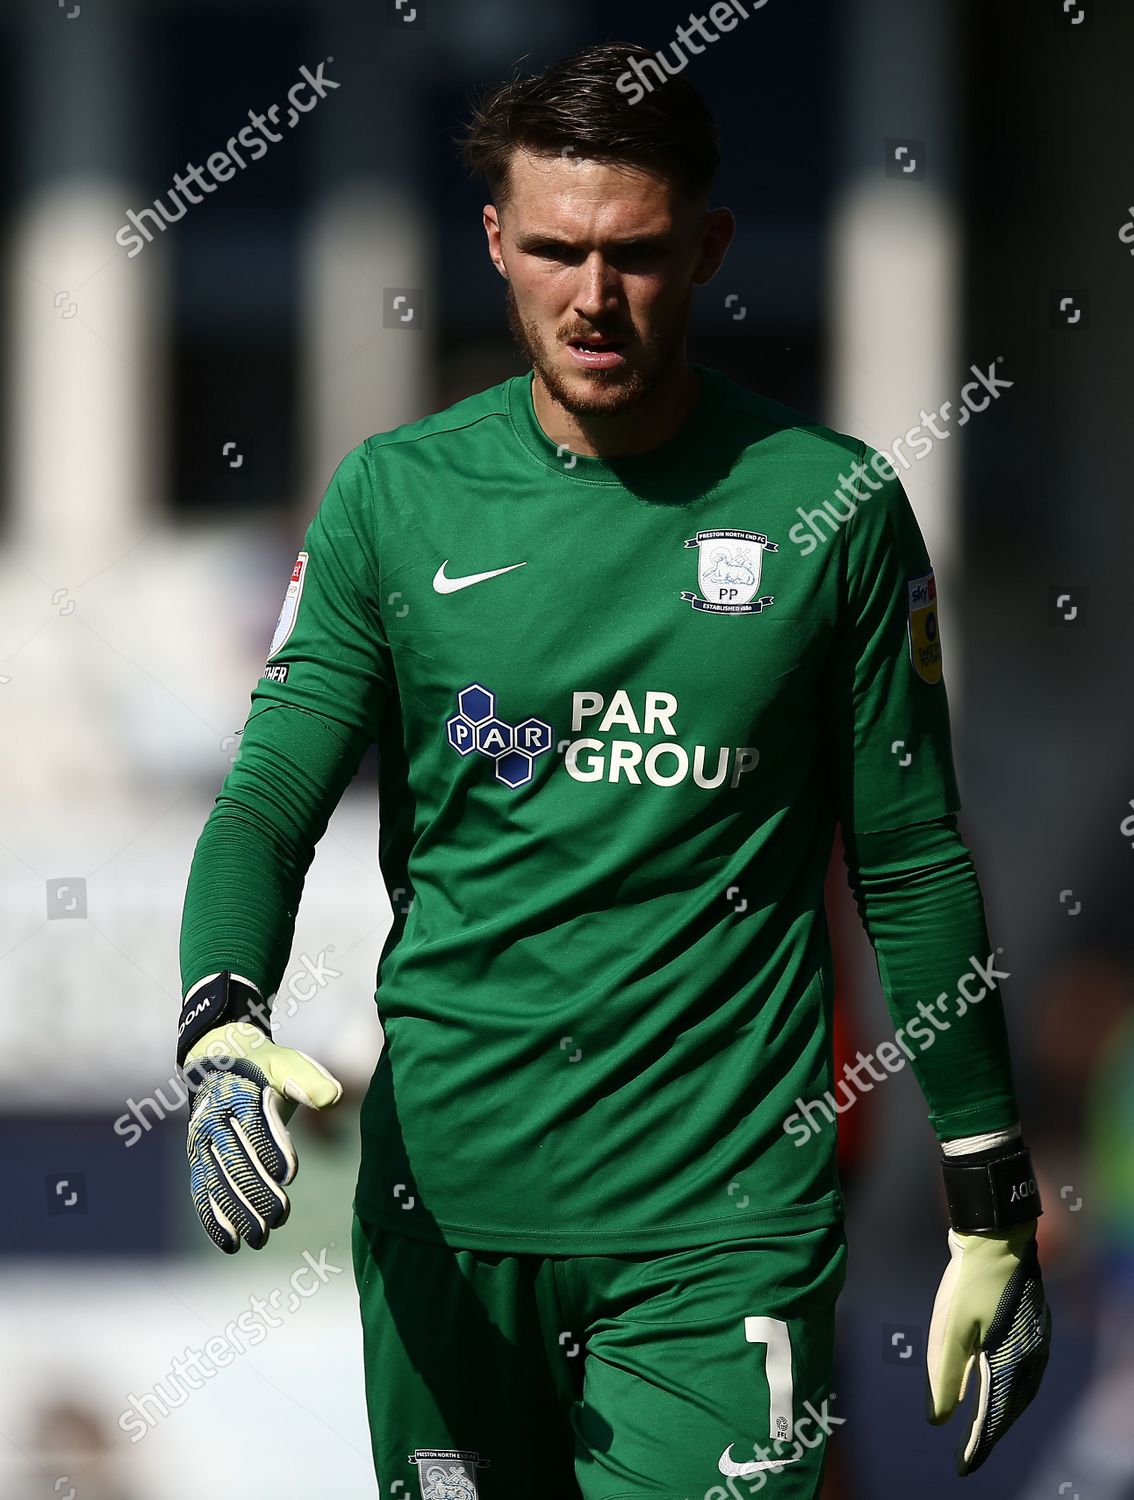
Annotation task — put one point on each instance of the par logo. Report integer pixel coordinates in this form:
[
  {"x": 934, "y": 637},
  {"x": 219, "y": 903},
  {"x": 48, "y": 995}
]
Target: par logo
[
  {"x": 512, "y": 748},
  {"x": 925, "y": 643},
  {"x": 290, "y": 608}
]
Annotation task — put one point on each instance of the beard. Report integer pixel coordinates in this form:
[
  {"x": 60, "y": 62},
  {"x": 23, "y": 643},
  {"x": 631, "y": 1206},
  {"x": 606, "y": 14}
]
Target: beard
[{"x": 606, "y": 392}]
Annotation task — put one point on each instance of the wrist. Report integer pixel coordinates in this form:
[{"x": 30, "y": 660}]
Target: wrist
[
  {"x": 990, "y": 1184},
  {"x": 216, "y": 1001}
]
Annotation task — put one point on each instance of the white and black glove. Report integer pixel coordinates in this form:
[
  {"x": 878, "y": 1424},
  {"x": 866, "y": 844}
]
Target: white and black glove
[
  {"x": 244, "y": 1089},
  {"x": 990, "y": 1316}
]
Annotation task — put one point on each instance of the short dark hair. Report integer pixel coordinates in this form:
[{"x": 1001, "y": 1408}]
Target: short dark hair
[{"x": 577, "y": 102}]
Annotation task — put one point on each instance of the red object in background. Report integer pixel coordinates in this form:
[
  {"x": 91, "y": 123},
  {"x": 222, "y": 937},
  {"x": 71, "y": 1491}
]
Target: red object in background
[{"x": 842, "y": 919}]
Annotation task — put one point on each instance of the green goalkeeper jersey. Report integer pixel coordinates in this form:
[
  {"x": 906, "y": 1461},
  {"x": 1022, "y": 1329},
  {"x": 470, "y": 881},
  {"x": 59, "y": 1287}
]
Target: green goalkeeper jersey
[{"x": 620, "y": 705}]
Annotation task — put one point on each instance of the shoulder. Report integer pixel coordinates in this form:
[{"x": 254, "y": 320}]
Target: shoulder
[
  {"x": 355, "y": 475},
  {"x": 461, "y": 416},
  {"x": 789, "y": 432}
]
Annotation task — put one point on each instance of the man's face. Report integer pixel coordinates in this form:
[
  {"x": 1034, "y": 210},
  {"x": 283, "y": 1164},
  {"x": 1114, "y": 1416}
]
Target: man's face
[{"x": 597, "y": 252}]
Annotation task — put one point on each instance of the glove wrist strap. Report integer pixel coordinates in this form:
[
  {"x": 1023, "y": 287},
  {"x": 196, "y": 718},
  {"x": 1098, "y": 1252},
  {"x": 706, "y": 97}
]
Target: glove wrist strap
[
  {"x": 991, "y": 1190},
  {"x": 216, "y": 1001}
]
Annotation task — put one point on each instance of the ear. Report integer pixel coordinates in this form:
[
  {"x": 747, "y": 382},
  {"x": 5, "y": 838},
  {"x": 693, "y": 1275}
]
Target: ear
[
  {"x": 716, "y": 237},
  {"x": 491, "y": 221}
]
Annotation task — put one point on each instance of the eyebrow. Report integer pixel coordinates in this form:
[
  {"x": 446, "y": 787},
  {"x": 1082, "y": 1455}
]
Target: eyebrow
[{"x": 534, "y": 240}]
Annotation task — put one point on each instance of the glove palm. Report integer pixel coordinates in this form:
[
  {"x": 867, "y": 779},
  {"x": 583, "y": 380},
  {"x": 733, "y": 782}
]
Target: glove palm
[
  {"x": 240, "y": 1152},
  {"x": 990, "y": 1315}
]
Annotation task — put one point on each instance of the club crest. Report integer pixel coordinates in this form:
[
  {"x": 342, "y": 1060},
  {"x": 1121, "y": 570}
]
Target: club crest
[
  {"x": 729, "y": 563},
  {"x": 447, "y": 1473}
]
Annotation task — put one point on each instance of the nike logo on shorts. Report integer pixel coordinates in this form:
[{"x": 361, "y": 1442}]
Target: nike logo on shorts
[{"x": 729, "y": 1466}]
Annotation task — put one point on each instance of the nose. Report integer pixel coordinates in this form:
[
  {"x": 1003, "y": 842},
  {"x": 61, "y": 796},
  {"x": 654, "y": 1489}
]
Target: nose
[{"x": 597, "y": 292}]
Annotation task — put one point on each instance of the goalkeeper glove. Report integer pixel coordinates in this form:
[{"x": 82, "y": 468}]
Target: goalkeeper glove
[
  {"x": 990, "y": 1314},
  {"x": 244, "y": 1088}
]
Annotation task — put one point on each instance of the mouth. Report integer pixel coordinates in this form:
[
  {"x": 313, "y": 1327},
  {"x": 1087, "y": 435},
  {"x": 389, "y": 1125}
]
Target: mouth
[{"x": 595, "y": 353}]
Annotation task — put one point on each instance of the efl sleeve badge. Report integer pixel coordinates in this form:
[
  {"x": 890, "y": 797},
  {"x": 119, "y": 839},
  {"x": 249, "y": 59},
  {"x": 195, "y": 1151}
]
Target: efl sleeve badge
[{"x": 290, "y": 609}]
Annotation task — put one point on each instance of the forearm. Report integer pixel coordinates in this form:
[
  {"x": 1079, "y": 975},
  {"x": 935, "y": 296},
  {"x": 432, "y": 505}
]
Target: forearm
[
  {"x": 921, "y": 906},
  {"x": 253, "y": 854}
]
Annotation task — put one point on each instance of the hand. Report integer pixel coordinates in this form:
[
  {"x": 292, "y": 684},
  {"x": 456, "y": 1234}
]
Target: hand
[
  {"x": 990, "y": 1315},
  {"x": 240, "y": 1153}
]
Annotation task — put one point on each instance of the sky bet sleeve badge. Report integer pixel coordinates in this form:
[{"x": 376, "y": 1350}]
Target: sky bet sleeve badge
[
  {"x": 728, "y": 571},
  {"x": 925, "y": 646}
]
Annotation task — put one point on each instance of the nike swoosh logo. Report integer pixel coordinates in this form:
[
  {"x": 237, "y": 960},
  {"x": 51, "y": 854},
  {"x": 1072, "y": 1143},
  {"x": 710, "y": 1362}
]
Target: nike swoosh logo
[
  {"x": 730, "y": 1467},
  {"x": 445, "y": 585}
]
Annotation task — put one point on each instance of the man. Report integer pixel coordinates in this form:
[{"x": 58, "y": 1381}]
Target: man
[{"x": 619, "y": 711}]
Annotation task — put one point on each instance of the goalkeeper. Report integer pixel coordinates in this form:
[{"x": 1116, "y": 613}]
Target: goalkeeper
[{"x": 621, "y": 700}]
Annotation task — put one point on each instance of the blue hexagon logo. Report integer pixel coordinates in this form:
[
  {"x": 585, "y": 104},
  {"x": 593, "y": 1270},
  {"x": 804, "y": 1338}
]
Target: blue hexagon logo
[{"x": 511, "y": 747}]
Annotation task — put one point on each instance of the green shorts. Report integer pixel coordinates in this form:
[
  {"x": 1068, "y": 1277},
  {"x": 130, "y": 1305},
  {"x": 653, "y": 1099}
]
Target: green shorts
[{"x": 697, "y": 1374}]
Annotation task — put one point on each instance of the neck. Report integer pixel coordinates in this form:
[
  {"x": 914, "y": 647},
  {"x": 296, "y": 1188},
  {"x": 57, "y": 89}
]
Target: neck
[{"x": 657, "y": 418}]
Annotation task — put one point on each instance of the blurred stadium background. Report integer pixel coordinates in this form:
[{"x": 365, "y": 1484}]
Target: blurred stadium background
[{"x": 919, "y": 189}]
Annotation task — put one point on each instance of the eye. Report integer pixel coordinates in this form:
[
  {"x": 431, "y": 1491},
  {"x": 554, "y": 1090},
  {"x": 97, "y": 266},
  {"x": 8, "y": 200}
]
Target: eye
[
  {"x": 554, "y": 250},
  {"x": 638, "y": 252}
]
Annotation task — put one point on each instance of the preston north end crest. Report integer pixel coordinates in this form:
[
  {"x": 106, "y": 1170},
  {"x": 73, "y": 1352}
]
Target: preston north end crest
[
  {"x": 728, "y": 571},
  {"x": 447, "y": 1473}
]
